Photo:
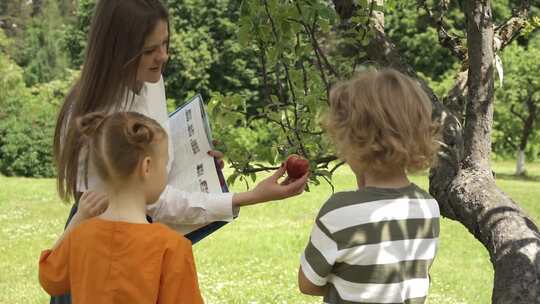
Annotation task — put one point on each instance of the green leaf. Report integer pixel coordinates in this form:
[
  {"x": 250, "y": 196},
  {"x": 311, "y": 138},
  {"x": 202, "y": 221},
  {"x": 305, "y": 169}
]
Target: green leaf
[{"x": 231, "y": 179}]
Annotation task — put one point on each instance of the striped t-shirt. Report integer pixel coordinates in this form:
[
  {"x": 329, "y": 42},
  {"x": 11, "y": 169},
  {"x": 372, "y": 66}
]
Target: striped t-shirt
[{"x": 374, "y": 245}]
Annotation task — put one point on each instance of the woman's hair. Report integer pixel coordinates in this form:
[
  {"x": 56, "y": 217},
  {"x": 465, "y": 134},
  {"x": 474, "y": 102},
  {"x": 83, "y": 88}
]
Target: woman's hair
[
  {"x": 381, "y": 120},
  {"x": 115, "y": 43},
  {"x": 116, "y": 143}
]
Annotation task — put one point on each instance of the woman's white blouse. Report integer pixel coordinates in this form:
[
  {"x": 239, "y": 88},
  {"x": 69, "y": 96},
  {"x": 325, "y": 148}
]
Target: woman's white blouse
[{"x": 180, "y": 210}]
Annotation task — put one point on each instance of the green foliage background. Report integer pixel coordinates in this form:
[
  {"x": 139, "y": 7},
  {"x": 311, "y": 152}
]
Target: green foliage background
[{"x": 223, "y": 49}]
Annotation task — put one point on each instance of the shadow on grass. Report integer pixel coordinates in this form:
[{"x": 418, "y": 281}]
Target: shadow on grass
[{"x": 508, "y": 176}]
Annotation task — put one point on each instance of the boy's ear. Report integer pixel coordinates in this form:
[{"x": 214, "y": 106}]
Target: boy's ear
[{"x": 146, "y": 164}]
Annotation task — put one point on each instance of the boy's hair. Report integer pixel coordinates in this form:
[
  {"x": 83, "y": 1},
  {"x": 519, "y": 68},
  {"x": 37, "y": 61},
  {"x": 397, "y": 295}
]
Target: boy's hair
[
  {"x": 381, "y": 120},
  {"x": 116, "y": 143}
]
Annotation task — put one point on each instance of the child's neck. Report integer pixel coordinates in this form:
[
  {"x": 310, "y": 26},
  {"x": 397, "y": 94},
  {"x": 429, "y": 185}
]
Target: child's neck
[
  {"x": 126, "y": 205},
  {"x": 394, "y": 180}
]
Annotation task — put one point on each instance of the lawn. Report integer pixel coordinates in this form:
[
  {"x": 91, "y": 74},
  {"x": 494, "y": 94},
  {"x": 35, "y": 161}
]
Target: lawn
[{"x": 254, "y": 259}]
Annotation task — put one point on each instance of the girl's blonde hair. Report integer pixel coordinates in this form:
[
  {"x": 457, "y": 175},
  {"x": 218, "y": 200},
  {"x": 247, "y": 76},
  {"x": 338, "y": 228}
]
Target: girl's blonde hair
[
  {"x": 381, "y": 121},
  {"x": 116, "y": 143}
]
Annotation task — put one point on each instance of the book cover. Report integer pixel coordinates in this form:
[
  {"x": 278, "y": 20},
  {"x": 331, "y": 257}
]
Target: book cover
[{"x": 192, "y": 169}]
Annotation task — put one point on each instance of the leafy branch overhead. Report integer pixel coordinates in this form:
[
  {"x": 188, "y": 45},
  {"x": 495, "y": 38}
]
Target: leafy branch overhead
[{"x": 292, "y": 42}]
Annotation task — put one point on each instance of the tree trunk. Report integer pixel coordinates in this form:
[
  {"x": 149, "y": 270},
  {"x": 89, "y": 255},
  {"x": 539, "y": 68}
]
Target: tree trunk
[
  {"x": 511, "y": 237},
  {"x": 520, "y": 163},
  {"x": 528, "y": 127},
  {"x": 462, "y": 181}
]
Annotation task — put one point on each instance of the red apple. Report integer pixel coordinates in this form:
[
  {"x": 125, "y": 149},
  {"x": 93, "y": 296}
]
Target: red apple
[{"x": 297, "y": 166}]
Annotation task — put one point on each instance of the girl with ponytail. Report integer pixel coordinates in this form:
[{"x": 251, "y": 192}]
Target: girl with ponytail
[{"x": 118, "y": 254}]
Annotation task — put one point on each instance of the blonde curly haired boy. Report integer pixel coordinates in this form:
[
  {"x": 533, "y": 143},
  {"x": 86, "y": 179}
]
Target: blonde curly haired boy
[{"x": 376, "y": 244}]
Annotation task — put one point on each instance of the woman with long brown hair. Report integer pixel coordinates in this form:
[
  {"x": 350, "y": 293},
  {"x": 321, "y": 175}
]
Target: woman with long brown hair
[{"x": 125, "y": 55}]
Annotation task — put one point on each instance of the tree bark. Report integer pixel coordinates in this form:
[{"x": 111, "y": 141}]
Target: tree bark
[
  {"x": 462, "y": 180},
  {"x": 479, "y": 110},
  {"x": 528, "y": 124},
  {"x": 520, "y": 163},
  {"x": 511, "y": 237}
]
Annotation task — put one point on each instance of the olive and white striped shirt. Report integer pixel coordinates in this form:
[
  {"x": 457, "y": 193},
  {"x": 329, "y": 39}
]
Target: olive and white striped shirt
[{"x": 374, "y": 245}]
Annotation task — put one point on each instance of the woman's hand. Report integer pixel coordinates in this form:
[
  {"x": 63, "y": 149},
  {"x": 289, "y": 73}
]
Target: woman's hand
[
  {"x": 270, "y": 189},
  {"x": 92, "y": 204},
  {"x": 218, "y": 155}
]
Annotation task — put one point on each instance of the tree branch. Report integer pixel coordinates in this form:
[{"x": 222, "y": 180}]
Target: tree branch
[
  {"x": 510, "y": 29},
  {"x": 447, "y": 40},
  {"x": 513, "y": 111},
  {"x": 315, "y": 50},
  {"x": 341, "y": 163},
  {"x": 313, "y": 39},
  {"x": 266, "y": 87}
]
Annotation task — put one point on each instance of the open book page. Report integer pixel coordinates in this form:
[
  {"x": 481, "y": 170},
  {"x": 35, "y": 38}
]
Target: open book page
[{"x": 192, "y": 169}]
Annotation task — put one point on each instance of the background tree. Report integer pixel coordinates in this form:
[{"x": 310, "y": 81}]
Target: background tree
[
  {"x": 517, "y": 115},
  {"x": 76, "y": 32},
  {"x": 14, "y": 15},
  {"x": 43, "y": 55},
  {"x": 32, "y": 53},
  {"x": 205, "y": 56}
]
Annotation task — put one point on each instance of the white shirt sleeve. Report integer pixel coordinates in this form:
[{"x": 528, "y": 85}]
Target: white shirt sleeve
[
  {"x": 179, "y": 209},
  {"x": 176, "y": 207}
]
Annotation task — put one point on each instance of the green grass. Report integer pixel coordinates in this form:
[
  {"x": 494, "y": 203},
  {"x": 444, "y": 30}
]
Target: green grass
[{"x": 255, "y": 259}]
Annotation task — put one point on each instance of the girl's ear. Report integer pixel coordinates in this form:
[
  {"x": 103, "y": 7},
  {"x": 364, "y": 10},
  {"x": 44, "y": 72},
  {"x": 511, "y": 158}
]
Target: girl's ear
[{"x": 144, "y": 169}]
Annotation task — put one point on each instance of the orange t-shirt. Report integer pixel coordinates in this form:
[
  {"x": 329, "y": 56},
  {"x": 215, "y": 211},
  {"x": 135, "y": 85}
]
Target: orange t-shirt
[{"x": 117, "y": 262}]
